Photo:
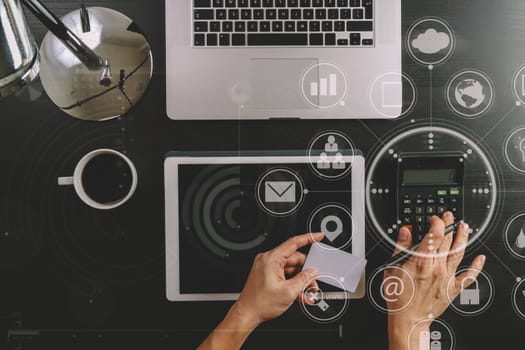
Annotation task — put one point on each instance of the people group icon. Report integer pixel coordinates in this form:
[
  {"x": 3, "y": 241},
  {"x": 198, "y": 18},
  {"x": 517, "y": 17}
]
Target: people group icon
[
  {"x": 331, "y": 145},
  {"x": 331, "y": 158}
]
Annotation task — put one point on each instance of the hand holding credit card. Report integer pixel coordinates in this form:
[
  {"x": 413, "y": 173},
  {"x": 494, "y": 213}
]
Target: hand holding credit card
[{"x": 345, "y": 267}]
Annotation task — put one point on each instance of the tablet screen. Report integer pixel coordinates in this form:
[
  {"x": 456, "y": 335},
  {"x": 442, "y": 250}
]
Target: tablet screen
[{"x": 228, "y": 213}]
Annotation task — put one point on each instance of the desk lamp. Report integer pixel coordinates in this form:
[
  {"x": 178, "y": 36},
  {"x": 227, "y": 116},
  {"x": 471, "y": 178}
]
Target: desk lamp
[{"x": 94, "y": 64}]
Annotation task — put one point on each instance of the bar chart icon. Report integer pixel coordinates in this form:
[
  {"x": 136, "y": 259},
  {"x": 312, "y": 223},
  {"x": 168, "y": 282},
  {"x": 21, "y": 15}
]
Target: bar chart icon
[{"x": 325, "y": 86}]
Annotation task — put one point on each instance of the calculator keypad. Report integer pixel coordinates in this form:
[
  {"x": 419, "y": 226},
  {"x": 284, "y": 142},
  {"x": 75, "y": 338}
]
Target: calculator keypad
[{"x": 418, "y": 208}]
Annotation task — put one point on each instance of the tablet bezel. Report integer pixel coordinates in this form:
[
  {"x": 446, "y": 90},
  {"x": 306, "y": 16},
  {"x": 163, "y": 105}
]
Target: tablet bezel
[{"x": 172, "y": 200}]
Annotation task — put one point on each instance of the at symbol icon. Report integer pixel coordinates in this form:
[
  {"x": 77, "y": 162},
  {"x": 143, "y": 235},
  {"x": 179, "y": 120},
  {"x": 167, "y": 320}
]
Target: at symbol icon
[{"x": 391, "y": 288}]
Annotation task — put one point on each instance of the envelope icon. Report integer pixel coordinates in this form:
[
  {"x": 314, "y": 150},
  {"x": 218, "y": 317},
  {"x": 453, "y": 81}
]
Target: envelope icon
[{"x": 279, "y": 192}]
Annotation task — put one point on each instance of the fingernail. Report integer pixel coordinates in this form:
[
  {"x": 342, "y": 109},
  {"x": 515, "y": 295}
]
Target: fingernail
[
  {"x": 464, "y": 226},
  {"x": 316, "y": 237},
  {"x": 403, "y": 234},
  {"x": 313, "y": 297},
  {"x": 310, "y": 296},
  {"x": 483, "y": 258},
  {"x": 449, "y": 214}
]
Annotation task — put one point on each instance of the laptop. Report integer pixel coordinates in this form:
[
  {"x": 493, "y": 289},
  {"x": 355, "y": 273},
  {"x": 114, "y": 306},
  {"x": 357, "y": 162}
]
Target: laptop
[
  {"x": 298, "y": 59},
  {"x": 224, "y": 208}
]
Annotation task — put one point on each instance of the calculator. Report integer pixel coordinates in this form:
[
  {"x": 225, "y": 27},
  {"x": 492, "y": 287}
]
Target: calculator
[{"x": 428, "y": 185}]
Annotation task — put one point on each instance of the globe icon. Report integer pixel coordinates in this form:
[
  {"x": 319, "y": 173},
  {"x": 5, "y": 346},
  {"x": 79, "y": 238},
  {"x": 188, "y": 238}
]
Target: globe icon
[{"x": 469, "y": 93}]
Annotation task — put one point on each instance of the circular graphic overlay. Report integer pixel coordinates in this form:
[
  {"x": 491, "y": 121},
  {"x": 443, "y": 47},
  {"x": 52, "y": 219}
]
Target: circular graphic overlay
[
  {"x": 280, "y": 192},
  {"x": 439, "y": 337},
  {"x": 430, "y": 41},
  {"x": 475, "y": 299},
  {"x": 470, "y": 94},
  {"x": 324, "y": 85},
  {"x": 514, "y": 235},
  {"x": 393, "y": 95},
  {"x": 327, "y": 152},
  {"x": 518, "y": 85},
  {"x": 330, "y": 303},
  {"x": 518, "y": 297},
  {"x": 474, "y": 198},
  {"x": 336, "y": 222},
  {"x": 390, "y": 293},
  {"x": 221, "y": 213},
  {"x": 515, "y": 150}
]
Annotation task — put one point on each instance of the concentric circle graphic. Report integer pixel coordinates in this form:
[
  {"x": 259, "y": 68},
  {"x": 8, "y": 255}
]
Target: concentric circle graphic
[
  {"x": 480, "y": 183},
  {"x": 81, "y": 239},
  {"x": 222, "y": 212}
]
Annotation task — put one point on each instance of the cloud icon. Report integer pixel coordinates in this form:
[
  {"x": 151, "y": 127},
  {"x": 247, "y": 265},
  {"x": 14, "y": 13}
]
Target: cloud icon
[{"x": 431, "y": 41}]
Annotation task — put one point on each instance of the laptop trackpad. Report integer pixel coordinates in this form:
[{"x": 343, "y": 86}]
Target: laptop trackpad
[{"x": 277, "y": 83}]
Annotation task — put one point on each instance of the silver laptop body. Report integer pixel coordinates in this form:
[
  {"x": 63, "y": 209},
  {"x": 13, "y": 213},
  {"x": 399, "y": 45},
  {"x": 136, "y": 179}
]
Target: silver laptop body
[{"x": 256, "y": 79}]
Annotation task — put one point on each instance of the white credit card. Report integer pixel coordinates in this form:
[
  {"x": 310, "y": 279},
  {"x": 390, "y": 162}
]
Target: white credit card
[{"x": 335, "y": 265}]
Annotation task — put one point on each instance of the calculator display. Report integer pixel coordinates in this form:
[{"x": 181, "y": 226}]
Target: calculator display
[{"x": 429, "y": 177}]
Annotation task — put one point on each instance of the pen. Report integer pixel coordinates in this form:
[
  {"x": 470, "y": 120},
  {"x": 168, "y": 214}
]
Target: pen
[{"x": 402, "y": 257}]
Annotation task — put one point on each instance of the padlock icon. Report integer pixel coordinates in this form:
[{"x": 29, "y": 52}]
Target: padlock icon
[{"x": 469, "y": 296}]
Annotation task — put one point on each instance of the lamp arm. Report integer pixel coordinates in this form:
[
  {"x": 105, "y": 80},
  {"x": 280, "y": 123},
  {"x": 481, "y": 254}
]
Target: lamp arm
[{"x": 86, "y": 55}]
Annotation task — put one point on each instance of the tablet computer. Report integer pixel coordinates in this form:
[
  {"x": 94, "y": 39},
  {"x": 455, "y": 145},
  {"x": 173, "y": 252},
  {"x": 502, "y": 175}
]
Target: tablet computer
[{"x": 224, "y": 208}]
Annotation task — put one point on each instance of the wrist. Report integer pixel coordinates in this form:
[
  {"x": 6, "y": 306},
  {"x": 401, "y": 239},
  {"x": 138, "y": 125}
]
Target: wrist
[
  {"x": 404, "y": 333},
  {"x": 243, "y": 317},
  {"x": 233, "y": 331}
]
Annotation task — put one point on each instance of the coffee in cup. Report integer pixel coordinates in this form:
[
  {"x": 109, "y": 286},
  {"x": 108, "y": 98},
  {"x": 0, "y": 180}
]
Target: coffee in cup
[{"x": 103, "y": 179}]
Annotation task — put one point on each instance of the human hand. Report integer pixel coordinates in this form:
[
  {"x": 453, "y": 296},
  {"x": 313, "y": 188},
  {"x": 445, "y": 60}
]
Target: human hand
[
  {"x": 267, "y": 293},
  {"x": 432, "y": 269}
]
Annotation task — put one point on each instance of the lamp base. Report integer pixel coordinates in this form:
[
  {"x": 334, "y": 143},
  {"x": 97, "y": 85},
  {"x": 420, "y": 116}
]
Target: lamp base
[{"x": 79, "y": 91}]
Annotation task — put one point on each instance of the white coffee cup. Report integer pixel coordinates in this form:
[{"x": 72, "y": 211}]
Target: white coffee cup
[{"x": 76, "y": 180}]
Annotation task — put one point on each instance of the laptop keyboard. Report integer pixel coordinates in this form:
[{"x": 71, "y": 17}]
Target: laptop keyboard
[{"x": 308, "y": 23}]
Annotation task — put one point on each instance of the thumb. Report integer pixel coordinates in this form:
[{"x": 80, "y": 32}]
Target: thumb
[
  {"x": 404, "y": 240},
  {"x": 300, "y": 281}
]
